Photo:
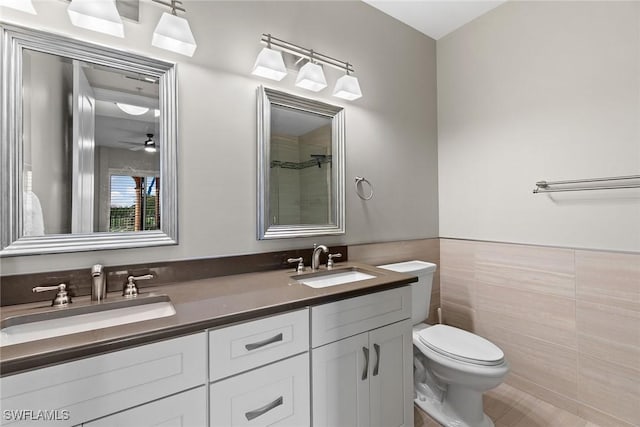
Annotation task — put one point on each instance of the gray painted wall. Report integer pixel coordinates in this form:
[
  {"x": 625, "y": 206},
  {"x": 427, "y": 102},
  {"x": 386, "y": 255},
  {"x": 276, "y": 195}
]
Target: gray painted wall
[
  {"x": 391, "y": 131},
  {"x": 541, "y": 91}
]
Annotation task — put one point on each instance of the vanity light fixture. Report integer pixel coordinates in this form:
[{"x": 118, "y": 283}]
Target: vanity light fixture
[
  {"x": 173, "y": 32},
  {"x": 269, "y": 63},
  {"x": 133, "y": 110},
  {"x": 347, "y": 87},
  {"x": 22, "y": 5},
  {"x": 311, "y": 74},
  {"x": 96, "y": 15}
]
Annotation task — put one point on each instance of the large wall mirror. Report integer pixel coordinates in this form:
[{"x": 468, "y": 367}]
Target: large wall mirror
[
  {"x": 300, "y": 166},
  {"x": 88, "y": 146}
]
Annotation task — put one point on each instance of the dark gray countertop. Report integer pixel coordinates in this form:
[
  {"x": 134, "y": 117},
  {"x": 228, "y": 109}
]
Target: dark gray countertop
[{"x": 199, "y": 304}]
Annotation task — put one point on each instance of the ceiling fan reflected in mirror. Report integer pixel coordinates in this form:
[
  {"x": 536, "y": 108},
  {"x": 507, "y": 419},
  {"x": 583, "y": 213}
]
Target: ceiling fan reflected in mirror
[{"x": 149, "y": 144}]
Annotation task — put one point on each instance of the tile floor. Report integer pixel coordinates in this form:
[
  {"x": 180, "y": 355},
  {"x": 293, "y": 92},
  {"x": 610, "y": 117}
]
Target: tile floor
[{"x": 510, "y": 407}]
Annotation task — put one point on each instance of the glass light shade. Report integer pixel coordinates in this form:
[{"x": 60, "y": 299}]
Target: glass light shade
[
  {"x": 347, "y": 87},
  {"x": 150, "y": 148},
  {"x": 156, "y": 113},
  {"x": 96, "y": 15},
  {"x": 22, "y": 5},
  {"x": 269, "y": 64},
  {"x": 133, "y": 110},
  {"x": 174, "y": 33},
  {"x": 311, "y": 77}
]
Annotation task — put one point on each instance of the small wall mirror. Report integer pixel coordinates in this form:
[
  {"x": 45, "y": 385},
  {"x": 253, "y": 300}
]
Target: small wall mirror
[
  {"x": 300, "y": 166},
  {"x": 89, "y": 161}
]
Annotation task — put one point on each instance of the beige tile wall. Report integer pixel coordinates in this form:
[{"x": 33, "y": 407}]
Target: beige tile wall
[
  {"x": 389, "y": 252},
  {"x": 568, "y": 320}
]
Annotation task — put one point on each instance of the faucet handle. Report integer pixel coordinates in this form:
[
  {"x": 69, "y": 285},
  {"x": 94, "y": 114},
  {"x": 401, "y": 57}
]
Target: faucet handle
[
  {"x": 300, "y": 266},
  {"x": 330, "y": 262},
  {"x": 130, "y": 289},
  {"x": 62, "y": 298}
]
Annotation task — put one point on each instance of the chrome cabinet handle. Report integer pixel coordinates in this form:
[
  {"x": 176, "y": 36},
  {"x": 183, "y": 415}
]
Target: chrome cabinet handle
[
  {"x": 376, "y": 347},
  {"x": 266, "y": 408},
  {"x": 262, "y": 343},
  {"x": 365, "y": 350}
]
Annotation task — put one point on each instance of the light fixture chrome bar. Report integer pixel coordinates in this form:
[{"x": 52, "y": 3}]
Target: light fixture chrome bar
[
  {"x": 305, "y": 53},
  {"x": 543, "y": 186},
  {"x": 173, "y": 4}
]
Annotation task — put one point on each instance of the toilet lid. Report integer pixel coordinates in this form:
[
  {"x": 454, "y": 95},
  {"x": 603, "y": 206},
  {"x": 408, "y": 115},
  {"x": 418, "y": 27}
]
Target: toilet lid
[{"x": 461, "y": 345}]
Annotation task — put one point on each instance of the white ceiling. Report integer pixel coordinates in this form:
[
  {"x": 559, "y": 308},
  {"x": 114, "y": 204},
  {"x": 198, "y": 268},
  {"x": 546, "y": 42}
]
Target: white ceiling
[
  {"x": 435, "y": 18},
  {"x": 290, "y": 122}
]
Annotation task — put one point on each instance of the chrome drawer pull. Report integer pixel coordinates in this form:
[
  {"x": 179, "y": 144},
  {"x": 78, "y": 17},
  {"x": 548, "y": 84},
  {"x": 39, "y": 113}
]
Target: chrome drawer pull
[
  {"x": 365, "y": 350},
  {"x": 262, "y": 343},
  {"x": 266, "y": 408},
  {"x": 376, "y": 347}
]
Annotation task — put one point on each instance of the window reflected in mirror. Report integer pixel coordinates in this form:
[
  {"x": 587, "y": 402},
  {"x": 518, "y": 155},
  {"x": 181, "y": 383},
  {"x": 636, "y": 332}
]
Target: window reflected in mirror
[{"x": 134, "y": 203}]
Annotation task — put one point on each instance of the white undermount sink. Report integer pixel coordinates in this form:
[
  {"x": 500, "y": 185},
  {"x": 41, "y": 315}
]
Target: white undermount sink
[
  {"x": 328, "y": 278},
  {"x": 70, "y": 320}
]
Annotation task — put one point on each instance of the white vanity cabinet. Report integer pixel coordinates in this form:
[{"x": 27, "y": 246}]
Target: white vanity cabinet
[
  {"x": 260, "y": 372},
  {"x": 362, "y": 361},
  {"x": 347, "y": 362},
  {"x": 94, "y": 387}
]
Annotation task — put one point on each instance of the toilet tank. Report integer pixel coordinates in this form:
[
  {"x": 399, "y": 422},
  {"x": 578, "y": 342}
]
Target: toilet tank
[{"x": 421, "y": 290}]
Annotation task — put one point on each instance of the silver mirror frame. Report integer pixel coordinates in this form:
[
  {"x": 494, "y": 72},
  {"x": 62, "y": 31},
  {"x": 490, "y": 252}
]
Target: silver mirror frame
[
  {"x": 13, "y": 39},
  {"x": 266, "y": 98}
]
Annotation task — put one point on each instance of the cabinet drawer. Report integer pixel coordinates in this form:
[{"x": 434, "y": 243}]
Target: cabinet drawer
[
  {"x": 186, "y": 409},
  {"x": 101, "y": 385},
  {"x": 340, "y": 319},
  {"x": 274, "y": 395},
  {"x": 248, "y": 345}
]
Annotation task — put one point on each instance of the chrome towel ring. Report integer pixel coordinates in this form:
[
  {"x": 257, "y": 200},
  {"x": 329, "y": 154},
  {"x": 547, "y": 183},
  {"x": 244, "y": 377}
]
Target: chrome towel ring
[{"x": 358, "y": 181}]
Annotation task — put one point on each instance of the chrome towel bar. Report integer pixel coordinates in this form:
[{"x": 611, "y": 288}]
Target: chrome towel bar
[{"x": 611, "y": 183}]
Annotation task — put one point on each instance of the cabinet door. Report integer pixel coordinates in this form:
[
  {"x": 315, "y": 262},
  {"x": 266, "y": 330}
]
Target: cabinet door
[
  {"x": 187, "y": 409},
  {"x": 341, "y": 383},
  {"x": 391, "y": 381},
  {"x": 273, "y": 395}
]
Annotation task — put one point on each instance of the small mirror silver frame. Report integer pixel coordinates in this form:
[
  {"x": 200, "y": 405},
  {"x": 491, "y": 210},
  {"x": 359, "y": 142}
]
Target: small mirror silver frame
[
  {"x": 13, "y": 40},
  {"x": 266, "y": 99}
]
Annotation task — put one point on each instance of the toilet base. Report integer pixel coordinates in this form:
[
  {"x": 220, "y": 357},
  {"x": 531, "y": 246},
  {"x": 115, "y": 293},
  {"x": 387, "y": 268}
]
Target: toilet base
[{"x": 430, "y": 404}]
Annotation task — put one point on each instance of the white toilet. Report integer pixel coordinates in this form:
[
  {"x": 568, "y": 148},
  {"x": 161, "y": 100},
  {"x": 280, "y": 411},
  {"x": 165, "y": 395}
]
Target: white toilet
[{"x": 452, "y": 367}]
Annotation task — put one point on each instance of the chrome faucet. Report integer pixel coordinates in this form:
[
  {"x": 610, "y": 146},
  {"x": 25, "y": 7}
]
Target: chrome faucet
[
  {"x": 99, "y": 287},
  {"x": 315, "y": 259}
]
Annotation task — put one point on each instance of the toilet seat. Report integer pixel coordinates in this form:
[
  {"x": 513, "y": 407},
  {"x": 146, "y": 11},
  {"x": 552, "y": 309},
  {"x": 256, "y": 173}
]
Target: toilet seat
[{"x": 461, "y": 345}]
